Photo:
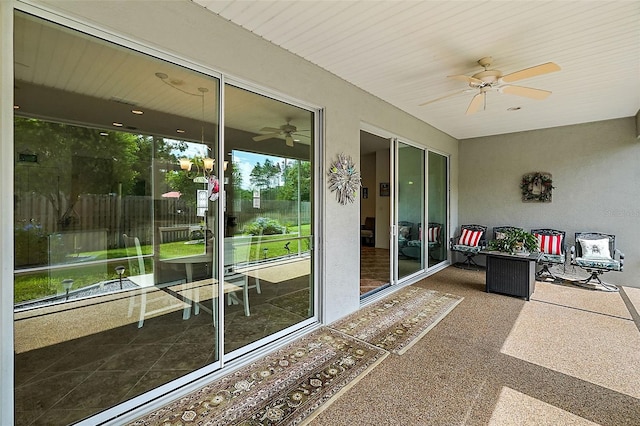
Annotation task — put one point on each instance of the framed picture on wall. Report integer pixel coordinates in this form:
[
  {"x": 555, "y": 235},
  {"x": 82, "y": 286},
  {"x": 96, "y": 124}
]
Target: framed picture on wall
[{"x": 384, "y": 189}]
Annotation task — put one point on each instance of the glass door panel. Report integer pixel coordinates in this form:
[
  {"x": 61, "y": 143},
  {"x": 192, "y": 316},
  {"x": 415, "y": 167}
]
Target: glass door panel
[
  {"x": 375, "y": 213},
  {"x": 410, "y": 186},
  {"x": 268, "y": 283},
  {"x": 437, "y": 230},
  {"x": 113, "y": 278}
]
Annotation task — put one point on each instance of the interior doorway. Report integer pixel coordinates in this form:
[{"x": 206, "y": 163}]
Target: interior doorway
[{"x": 375, "y": 213}]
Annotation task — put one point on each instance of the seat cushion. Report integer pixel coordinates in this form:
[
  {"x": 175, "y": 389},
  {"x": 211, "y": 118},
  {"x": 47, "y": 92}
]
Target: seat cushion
[
  {"x": 602, "y": 263},
  {"x": 551, "y": 258},
  {"x": 465, "y": 249}
]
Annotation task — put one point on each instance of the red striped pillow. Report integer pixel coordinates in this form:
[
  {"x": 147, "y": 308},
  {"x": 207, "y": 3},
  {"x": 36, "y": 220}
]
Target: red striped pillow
[
  {"x": 550, "y": 244},
  {"x": 434, "y": 231},
  {"x": 470, "y": 238}
]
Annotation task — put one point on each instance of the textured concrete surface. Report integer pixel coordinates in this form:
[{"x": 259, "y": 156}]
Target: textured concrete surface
[{"x": 568, "y": 356}]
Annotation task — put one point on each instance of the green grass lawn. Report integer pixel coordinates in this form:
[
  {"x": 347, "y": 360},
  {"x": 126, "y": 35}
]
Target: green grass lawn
[{"x": 35, "y": 285}]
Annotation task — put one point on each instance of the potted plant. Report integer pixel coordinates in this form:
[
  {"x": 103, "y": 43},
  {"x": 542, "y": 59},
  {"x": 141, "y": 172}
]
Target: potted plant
[{"x": 515, "y": 241}]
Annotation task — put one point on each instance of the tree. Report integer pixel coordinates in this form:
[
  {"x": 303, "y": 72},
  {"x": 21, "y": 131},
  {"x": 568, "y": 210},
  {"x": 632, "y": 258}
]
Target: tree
[
  {"x": 265, "y": 175},
  {"x": 289, "y": 190},
  {"x": 73, "y": 161}
]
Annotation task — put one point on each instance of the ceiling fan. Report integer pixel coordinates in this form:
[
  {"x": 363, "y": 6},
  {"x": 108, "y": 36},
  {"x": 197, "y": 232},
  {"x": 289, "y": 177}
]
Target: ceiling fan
[
  {"x": 489, "y": 80},
  {"x": 287, "y": 130}
]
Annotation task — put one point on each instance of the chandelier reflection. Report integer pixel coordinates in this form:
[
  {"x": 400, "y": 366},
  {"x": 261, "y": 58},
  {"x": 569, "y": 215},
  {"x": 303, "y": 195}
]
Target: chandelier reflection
[{"x": 199, "y": 169}]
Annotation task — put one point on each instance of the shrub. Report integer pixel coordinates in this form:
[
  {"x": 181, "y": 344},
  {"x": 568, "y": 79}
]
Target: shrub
[{"x": 264, "y": 226}]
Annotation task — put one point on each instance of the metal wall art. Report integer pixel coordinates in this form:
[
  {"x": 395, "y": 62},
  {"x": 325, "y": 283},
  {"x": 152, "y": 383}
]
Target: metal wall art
[
  {"x": 344, "y": 179},
  {"x": 536, "y": 187}
]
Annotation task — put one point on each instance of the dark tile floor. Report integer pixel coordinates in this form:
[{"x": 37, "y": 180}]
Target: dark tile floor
[{"x": 62, "y": 383}]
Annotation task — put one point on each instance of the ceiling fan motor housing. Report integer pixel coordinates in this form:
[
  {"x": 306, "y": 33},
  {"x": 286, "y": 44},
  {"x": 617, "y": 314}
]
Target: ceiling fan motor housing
[
  {"x": 288, "y": 128},
  {"x": 488, "y": 77}
]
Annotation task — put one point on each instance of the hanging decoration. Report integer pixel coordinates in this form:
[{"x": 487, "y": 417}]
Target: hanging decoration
[
  {"x": 536, "y": 187},
  {"x": 344, "y": 179},
  {"x": 213, "y": 188}
]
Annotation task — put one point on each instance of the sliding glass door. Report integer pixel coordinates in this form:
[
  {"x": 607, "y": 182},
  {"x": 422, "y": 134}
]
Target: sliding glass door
[
  {"x": 122, "y": 222},
  {"x": 268, "y": 237},
  {"x": 409, "y": 210},
  {"x": 410, "y": 203},
  {"x": 436, "y": 235}
]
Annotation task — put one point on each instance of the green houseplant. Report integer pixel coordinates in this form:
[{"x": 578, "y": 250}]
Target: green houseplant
[{"x": 515, "y": 241}]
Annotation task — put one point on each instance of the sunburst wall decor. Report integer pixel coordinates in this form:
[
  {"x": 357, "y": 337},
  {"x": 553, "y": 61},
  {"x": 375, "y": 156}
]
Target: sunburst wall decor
[{"x": 344, "y": 179}]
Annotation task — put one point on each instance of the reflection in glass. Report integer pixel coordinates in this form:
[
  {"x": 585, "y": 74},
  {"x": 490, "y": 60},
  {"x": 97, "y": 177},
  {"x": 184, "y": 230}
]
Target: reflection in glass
[
  {"x": 114, "y": 286},
  {"x": 268, "y": 221},
  {"x": 410, "y": 198}
]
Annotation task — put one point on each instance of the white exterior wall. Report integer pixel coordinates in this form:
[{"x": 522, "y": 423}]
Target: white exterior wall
[{"x": 595, "y": 169}]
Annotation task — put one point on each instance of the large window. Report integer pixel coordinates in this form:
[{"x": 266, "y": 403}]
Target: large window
[
  {"x": 268, "y": 215},
  {"x": 122, "y": 223}
]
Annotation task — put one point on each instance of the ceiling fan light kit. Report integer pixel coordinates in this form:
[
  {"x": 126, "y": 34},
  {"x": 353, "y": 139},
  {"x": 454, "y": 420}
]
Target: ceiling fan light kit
[{"x": 494, "y": 80}]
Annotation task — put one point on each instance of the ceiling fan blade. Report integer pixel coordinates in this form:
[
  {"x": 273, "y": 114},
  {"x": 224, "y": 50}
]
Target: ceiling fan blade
[
  {"x": 475, "y": 104},
  {"x": 527, "y": 92},
  {"x": 264, "y": 137},
  {"x": 289, "y": 140},
  {"x": 531, "y": 72},
  {"x": 444, "y": 97},
  {"x": 270, "y": 130},
  {"x": 466, "y": 79}
]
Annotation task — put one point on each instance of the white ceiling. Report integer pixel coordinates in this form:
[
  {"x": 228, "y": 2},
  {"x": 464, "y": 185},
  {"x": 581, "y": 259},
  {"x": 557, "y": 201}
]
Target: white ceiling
[{"x": 402, "y": 52}]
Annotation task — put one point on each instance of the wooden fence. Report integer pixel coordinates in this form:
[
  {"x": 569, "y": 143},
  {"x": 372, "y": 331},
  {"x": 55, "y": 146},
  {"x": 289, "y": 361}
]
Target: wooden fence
[{"x": 35, "y": 216}]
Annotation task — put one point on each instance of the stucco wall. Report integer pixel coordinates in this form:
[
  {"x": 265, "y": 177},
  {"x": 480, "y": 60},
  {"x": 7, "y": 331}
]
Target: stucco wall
[
  {"x": 190, "y": 32},
  {"x": 595, "y": 168}
]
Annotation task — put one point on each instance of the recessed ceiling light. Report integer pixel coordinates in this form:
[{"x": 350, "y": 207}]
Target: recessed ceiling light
[
  {"x": 117, "y": 124},
  {"x": 514, "y": 109},
  {"x": 180, "y": 131},
  {"x": 137, "y": 112},
  {"x": 16, "y": 107},
  {"x": 161, "y": 75}
]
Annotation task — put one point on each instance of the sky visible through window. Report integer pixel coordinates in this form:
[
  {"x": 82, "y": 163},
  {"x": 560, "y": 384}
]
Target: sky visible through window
[{"x": 244, "y": 160}]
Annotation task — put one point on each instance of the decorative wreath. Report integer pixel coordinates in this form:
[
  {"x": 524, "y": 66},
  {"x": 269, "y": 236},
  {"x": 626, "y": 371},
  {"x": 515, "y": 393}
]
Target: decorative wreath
[
  {"x": 344, "y": 179},
  {"x": 536, "y": 186}
]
